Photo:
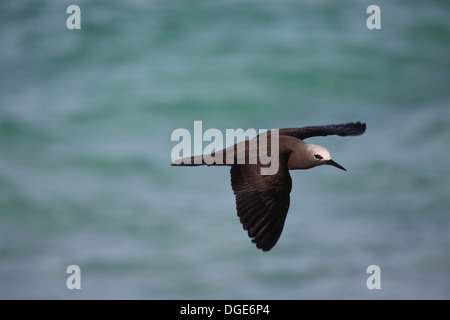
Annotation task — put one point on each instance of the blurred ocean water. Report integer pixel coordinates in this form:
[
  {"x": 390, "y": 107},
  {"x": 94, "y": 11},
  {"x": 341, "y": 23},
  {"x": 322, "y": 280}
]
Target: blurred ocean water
[{"x": 85, "y": 123}]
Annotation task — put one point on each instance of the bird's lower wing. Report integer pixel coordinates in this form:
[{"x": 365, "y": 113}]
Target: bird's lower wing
[
  {"x": 348, "y": 129},
  {"x": 262, "y": 202}
]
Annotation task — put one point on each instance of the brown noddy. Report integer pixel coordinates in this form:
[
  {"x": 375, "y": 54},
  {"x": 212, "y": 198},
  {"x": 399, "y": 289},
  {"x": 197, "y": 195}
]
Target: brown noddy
[{"x": 262, "y": 200}]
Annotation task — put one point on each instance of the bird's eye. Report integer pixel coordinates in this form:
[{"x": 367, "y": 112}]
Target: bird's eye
[{"x": 317, "y": 156}]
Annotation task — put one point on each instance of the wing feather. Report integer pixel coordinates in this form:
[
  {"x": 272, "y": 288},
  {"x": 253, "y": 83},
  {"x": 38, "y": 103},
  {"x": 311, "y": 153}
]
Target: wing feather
[
  {"x": 262, "y": 202},
  {"x": 348, "y": 129}
]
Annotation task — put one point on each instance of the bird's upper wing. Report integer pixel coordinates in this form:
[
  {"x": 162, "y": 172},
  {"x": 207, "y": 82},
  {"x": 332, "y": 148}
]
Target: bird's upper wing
[
  {"x": 262, "y": 201},
  {"x": 348, "y": 129}
]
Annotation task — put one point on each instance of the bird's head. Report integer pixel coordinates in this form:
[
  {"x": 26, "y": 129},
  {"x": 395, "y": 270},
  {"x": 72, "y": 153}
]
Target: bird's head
[{"x": 318, "y": 156}]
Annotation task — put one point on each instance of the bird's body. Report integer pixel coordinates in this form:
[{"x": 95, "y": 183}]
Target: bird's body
[{"x": 262, "y": 201}]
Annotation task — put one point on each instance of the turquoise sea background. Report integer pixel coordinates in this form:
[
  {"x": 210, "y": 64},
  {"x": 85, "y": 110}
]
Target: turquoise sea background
[{"x": 86, "y": 118}]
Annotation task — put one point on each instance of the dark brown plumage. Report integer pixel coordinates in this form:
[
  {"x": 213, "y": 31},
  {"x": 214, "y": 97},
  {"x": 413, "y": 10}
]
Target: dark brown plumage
[{"x": 262, "y": 201}]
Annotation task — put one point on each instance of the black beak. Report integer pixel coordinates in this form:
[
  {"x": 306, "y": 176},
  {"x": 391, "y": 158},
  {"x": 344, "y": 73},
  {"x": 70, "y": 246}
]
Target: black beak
[{"x": 334, "y": 164}]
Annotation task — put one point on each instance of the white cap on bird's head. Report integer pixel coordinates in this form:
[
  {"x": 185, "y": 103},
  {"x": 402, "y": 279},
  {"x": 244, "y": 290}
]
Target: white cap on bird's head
[{"x": 319, "y": 156}]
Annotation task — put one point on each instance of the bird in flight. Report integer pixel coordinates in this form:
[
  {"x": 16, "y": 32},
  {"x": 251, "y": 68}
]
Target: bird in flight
[{"x": 262, "y": 201}]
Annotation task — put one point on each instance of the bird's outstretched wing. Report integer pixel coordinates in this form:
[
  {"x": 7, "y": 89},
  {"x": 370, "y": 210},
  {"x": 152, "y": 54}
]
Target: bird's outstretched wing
[
  {"x": 262, "y": 201},
  {"x": 348, "y": 129}
]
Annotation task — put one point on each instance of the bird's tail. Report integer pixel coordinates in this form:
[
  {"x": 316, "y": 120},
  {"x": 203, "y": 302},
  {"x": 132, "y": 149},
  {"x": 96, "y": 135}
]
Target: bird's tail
[
  {"x": 201, "y": 160},
  {"x": 189, "y": 161}
]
